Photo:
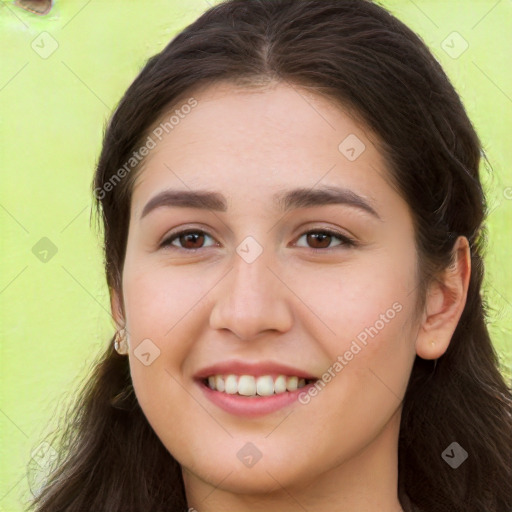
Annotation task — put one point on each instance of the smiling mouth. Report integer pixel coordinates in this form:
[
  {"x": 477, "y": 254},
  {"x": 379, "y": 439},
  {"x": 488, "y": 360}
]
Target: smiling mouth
[{"x": 251, "y": 386}]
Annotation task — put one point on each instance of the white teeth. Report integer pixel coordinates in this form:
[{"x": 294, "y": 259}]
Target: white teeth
[
  {"x": 219, "y": 383},
  {"x": 231, "y": 384},
  {"x": 292, "y": 383},
  {"x": 280, "y": 384},
  {"x": 248, "y": 385},
  {"x": 265, "y": 385}
]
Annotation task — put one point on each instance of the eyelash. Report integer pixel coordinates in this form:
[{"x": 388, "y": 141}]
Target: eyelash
[{"x": 345, "y": 241}]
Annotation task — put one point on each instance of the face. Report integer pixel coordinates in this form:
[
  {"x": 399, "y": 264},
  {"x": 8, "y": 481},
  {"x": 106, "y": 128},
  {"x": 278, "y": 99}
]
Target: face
[{"x": 273, "y": 341}]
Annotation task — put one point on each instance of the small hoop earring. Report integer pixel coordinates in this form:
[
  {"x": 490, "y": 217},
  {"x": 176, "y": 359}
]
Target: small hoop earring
[{"x": 120, "y": 342}]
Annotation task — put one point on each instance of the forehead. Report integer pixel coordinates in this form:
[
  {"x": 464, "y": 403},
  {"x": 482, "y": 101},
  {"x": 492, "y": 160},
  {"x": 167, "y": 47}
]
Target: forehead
[{"x": 257, "y": 141}]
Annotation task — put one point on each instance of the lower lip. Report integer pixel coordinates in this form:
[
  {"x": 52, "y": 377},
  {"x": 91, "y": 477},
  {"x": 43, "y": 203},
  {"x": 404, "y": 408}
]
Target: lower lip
[{"x": 251, "y": 407}]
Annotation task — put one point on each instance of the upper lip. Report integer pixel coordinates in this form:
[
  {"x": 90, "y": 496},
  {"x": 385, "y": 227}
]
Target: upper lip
[{"x": 257, "y": 369}]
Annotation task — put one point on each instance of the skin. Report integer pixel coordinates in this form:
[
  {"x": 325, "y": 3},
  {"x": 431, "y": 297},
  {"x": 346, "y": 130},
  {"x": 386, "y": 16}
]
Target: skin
[{"x": 291, "y": 305}]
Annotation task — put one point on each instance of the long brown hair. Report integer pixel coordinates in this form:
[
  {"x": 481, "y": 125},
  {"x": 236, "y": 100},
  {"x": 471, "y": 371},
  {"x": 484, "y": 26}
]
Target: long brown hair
[{"x": 358, "y": 54}]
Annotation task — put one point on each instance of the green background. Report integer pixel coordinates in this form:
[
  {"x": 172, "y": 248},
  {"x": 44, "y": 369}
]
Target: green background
[{"x": 54, "y": 314}]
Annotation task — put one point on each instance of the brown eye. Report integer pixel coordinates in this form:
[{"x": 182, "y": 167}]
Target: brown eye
[
  {"x": 194, "y": 239},
  {"x": 188, "y": 240},
  {"x": 322, "y": 239},
  {"x": 319, "y": 240}
]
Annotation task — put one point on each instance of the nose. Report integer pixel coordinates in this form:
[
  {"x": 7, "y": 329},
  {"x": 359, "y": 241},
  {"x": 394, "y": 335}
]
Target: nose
[{"x": 252, "y": 299}]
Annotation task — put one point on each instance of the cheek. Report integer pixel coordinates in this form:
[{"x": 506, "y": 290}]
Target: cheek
[
  {"x": 158, "y": 298},
  {"x": 370, "y": 298},
  {"x": 153, "y": 308},
  {"x": 164, "y": 316},
  {"x": 368, "y": 308}
]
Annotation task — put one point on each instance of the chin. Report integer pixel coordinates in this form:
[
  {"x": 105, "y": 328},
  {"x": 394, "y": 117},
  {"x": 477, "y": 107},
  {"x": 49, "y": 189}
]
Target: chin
[
  {"x": 262, "y": 478},
  {"x": 251, "y": 481}
]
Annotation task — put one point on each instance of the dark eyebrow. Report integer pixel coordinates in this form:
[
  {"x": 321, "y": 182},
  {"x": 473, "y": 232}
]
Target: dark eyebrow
[
  {"x": 286, "y": 201},
  {"x": 186, "y": 199},
  {"x": 305, "y": 198}
]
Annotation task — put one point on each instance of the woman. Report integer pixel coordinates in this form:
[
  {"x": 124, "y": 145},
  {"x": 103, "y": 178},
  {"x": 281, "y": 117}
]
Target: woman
[{"x": 293, "y": 224}]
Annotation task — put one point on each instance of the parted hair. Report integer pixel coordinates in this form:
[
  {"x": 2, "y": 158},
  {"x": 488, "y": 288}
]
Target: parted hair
[{"x": 358, "y": 54}]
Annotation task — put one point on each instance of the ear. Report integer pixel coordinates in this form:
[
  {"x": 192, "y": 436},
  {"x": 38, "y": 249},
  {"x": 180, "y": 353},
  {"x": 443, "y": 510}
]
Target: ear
[
  {"x": 446, "y": 298},
  {"x": 116, "y": 308}
]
